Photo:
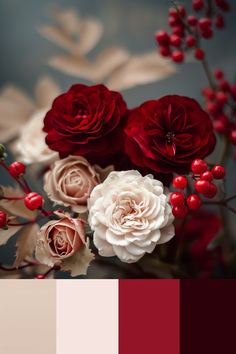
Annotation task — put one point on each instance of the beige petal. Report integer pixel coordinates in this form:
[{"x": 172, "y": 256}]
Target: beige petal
[
  {"x": 26, "y": 243},
  {"x": 45, "y": 92},
  {"x": 139, "y": 70},
  {"x": 77, "y": 67},
  {"x": 78, "y": 264}
]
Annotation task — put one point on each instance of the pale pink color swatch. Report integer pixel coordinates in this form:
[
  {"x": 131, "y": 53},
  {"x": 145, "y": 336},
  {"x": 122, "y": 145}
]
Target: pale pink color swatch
[{"x": 87, "y": 317}]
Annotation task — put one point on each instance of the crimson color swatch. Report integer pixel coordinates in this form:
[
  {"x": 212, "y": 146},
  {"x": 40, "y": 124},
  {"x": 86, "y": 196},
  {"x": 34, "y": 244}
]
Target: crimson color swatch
[{"x": 149, "y": 317}]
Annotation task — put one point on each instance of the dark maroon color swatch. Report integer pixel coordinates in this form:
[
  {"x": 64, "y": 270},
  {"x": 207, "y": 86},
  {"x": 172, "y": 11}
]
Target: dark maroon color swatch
[{"x": 207, "y": 317}]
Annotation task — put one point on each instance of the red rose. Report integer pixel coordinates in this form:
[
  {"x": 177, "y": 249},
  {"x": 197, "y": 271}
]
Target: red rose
[
  {"x": 166, "y": 135},
  {"x": 86, "y": 121}
]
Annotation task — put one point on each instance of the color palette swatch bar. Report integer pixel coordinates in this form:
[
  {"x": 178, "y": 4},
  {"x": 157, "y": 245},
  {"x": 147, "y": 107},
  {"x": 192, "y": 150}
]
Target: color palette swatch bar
[{"x": 117, "y": 316}]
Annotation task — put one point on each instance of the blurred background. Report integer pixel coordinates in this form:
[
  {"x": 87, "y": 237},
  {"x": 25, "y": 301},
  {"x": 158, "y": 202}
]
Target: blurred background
[{"x": 127, "y": 23}]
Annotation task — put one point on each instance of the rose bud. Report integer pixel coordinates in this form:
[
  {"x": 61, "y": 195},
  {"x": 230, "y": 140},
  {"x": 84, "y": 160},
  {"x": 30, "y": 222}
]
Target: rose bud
[
  {"x": 16, "y": 169},
  {"x": 3, "y": 219},
  {"x": 33, "y": 201}
]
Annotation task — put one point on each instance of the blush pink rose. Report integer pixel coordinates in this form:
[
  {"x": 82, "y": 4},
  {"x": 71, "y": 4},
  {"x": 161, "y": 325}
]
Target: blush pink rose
[
  {"x": 62, "y": 242},
  {"x": 70, "y": 182}
]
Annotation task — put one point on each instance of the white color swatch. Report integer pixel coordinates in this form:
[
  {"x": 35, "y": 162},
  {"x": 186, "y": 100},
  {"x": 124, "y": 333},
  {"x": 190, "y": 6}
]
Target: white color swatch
[{"x": 87, "y": 316}]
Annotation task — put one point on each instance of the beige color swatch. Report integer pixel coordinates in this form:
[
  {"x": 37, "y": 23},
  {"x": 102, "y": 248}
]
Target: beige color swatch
[{"x": 27, "y": 317}]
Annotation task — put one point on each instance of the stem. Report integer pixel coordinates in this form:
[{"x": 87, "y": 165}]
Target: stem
[
  {"x": 22, "y": 223},
  {"x": 12, "y": 198},
  {"x": 208, "y": 73},
  {"x": 52, "y": 269},
  {"x": 11, "y": 269}
]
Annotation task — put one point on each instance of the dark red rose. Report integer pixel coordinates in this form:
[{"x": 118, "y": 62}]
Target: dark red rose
[
  {"x": 86, "y": 121},
  {"x": 166, "y": 135}
]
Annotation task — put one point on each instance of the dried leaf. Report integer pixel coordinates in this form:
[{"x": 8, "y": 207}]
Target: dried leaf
[
  {"x": 79, "y": 262},
  {"x": 26, "y": 243},
  {"x": 57, "y": 36},
  {"x": 15, "y": 207},
  {"x": 105, "y": 63},
  {"x": 45, "y": 92},
  {"x": 91, "y": 31},
  {"x": 140, "y": 70},
  {"x": 5, "y": 235},
  {"x": 76, "y": 35},
  {"x": 15, "y": 107}
]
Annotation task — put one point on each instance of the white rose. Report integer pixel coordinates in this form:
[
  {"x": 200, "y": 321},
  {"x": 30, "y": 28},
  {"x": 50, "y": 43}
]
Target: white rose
[
  {"x": 31, "y": 145},
  {"x": 129, "y": 215}
]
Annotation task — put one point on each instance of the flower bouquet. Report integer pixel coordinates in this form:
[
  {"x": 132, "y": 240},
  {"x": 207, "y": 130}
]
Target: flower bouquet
[{"x": 106, "y": 190}]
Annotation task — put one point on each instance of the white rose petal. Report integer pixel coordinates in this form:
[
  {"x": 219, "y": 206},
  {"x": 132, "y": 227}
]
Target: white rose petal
[{"x": 130, "y": 214}]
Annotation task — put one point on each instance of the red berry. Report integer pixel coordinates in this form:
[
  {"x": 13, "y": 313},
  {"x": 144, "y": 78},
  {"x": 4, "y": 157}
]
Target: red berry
[
  {"x": 218, "y": 172},
  {"x": 202, "y": 186},
  {"x": 211, "y": 192},
  {"x": 173, "y": 21},
  {"x": 33, "y": 201},
  {"x": 178, "y": 30},
  {"x": 221, "y": 98},
  {"x": 194, "y": 201},
  {"x": 177, "y": 198},
  {"x": 40, "y": 276},
  {"x": 3, "y": 219},
  {"x": 175, "y": 40},
  {"x": 16, "y": 169},
  {"x": 208, "y": 93},
  {"x": 199, "y": 54},
  {"x": 233, "y": 91},
  {"x": 207, "y": 33},
  {"x": 206, "y": 176},
  {"x": 220, "y": 126},
  {"x": 212, "y": 108},
  {"x": 162, "y": 38},
  {"x": 224, "y": 85},
  {"x": 180, "y": 182},
  {"x": 173, "y": 13},
  {"x": 223, "y": 5},
  {"x": 220, "y": 22},
  {"x": 180, "y": 211},
  {"x": 182, "y": 10},
  {"x": 204, "y": 23},
  {"x": 219, "y": 74},
  {"x": 177, "y": 56},
  {"x": 233, "y": 137},
  {"x": 192, "y": 20},
  {"x": 165, "y": 51},
  {"x": 191, "y": 41},
  {"x": 197, "y": 4},
  {"x": 198, "y": 166}
]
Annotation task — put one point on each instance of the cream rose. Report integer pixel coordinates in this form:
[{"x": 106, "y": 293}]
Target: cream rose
[
  {"x": 31, "y": 146},
  {"x": 70, "y": 182},
  {"x": 62, "y": 242},
  {"x": 130, "y": 215}
]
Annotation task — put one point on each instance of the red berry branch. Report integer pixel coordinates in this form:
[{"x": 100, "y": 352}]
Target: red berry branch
[{"x": 201, "y": 183}]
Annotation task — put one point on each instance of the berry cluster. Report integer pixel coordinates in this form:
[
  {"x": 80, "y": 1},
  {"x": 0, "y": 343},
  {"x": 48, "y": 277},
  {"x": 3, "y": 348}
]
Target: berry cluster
[
  {"x": 186, "y": 30},
  {"x": 203, "y": 184},
  {"x": 220, "y": 104},
  {"x": 31, "y": 199}
]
